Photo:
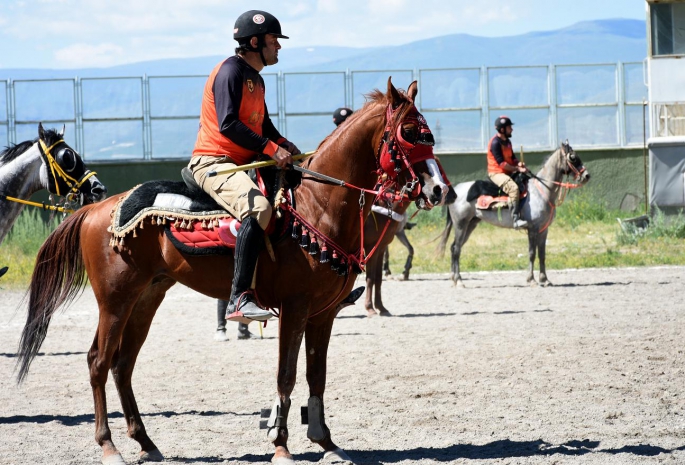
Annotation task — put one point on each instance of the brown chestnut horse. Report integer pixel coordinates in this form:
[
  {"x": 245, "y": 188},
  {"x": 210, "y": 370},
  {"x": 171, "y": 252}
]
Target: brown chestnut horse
[{"x": 130, "y": 282}]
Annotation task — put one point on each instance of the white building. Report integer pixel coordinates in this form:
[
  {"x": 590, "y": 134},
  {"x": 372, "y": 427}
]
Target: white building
[{"x": 666, "y": 81}]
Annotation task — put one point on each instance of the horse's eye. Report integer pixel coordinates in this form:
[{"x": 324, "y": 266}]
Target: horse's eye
[
  {"x": 410, "y": 133},
  {"x": 67, "y": 160}
]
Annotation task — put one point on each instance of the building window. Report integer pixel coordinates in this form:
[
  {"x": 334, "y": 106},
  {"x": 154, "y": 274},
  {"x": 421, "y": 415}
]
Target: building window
[{"x": 668, "y": 29}]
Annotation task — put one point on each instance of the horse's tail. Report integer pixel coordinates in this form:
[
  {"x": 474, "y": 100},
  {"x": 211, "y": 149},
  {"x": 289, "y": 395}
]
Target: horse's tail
[
  {"x": 58, "y": 278},
  {"x": 445, "y": 235}
]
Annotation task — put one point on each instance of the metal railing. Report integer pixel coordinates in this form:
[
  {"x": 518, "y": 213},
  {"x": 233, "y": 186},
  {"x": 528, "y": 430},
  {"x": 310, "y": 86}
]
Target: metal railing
[{"x": 155, "y": 117}]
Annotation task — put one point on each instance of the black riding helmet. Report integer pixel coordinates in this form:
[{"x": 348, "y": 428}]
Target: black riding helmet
[
  {"x": 502, "y": 122},
  {"x": 256, "y": 23}
]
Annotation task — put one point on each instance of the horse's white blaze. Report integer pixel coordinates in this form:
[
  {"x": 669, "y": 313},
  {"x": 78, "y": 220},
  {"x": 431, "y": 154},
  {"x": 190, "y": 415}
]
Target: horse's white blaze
[{"x": 436, "y": 176}]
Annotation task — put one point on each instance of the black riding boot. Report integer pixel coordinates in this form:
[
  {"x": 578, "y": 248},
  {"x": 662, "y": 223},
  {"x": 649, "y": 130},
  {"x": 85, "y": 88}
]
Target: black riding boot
[
  {"x": 516, "y": 216},
  {"x": 242, "y": 307}
]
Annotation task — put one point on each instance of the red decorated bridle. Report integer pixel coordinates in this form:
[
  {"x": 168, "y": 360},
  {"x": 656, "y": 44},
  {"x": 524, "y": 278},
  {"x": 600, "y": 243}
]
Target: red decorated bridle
[{"x": 395, "y": 154}]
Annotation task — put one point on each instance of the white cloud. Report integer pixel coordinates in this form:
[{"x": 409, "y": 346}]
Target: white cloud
[
  {"x": 86, "y": 55},
  {"x": 102, "y": 32}
]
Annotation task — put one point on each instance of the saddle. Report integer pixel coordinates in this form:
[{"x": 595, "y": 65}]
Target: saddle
[
  {"x": 489, "y": 195},
  {"x": 192, "y": 220}
]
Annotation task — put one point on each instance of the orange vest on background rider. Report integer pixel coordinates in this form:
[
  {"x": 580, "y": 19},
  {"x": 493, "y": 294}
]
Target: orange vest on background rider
[{"x": 507, "y": 153}]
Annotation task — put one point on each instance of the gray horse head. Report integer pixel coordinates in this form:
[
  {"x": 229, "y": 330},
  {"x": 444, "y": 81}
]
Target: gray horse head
[{"x": 64, "y": 171}]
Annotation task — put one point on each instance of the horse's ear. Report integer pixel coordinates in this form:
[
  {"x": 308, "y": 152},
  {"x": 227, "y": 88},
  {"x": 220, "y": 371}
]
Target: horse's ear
[
  {"x": 393, "y": 96},
  {"x": 41, "y": 132},
  {"x": 412, "y": 91},
  {"x": 61, "y": 133}
]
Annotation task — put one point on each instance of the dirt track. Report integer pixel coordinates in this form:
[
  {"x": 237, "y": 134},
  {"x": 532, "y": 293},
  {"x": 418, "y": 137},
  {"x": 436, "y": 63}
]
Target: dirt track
[{"x": 588, "y": 371}]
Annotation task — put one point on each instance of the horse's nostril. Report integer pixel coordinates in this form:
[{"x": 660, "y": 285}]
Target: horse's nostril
[
  {"x": 437, "y": 191},
  {"x": 98, "y": 190}
]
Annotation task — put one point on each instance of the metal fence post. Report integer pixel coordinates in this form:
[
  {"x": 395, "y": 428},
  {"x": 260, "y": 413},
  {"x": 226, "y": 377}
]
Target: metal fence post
[
  {"x": 620, "y": 101},
  {"x": 147, "y": 126},
  {"x": 484, "y": 106},
  {"x": 553, "y": 121},
  {"x": 11, "y": 115},
  {"x": 78, "y": 110}
]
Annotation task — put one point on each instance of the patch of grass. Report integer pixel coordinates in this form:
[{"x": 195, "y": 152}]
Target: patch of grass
[
  {"x": 20, "y": 247},
  {"x": 585, "y": 234}
]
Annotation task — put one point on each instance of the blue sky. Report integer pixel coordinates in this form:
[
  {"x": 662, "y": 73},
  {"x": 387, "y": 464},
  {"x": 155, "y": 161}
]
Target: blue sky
[{"x": 100, "y": 33}]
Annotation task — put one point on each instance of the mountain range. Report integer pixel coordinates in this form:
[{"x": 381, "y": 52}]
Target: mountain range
[{"x": 601, "y": 41}]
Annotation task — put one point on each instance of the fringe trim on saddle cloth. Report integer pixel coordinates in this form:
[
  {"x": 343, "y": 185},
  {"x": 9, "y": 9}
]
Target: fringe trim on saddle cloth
[{"x": 181, "y": 219}]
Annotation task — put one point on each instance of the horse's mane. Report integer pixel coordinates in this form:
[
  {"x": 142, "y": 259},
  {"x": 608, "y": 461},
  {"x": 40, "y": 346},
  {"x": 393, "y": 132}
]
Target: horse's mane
[
  {"x": 372, "y": 98},
  {"x": 559, "y": 161},
  {"x": 12, "y": 152}
]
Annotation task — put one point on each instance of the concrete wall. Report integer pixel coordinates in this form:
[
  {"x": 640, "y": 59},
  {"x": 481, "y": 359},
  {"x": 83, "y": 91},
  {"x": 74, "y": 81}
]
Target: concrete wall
[{"x": 616, "y": 173}]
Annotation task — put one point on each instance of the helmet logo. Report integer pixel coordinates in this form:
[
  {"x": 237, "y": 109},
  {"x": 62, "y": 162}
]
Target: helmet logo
[
  {"x": 235, "y": 31},
  {"x": 258, "y": 19},
  {"x": 502, "y": 121}
]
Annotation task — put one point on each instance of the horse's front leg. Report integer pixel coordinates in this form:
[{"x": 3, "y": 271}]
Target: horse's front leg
[
  {"x": 542, "y": 243},
  {"x": 532, "y": 247},
  {"x": 317, "y": 337},
  {"x": 290, "y": 332}
]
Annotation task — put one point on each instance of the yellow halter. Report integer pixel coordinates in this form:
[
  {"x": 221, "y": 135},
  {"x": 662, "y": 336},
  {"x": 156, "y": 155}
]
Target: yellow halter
[{"x": 56, "y": 170}]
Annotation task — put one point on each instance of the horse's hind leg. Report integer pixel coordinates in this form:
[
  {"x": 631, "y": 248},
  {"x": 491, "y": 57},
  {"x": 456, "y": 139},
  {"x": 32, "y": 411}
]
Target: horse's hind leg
[
  {"x": 370, "y": 284},
  {"x": 115, "y": 309},
  {"x": 135, "y": 333},
  {"x": 386, "y": 263},
  {"x": 533, "y": 238},
  {"x": 542, "y": 243},
  {"x": 375, "y": 269},
  {"x": 317, "y": 338},
  {"x": 462, "y": 231},
  {"x": 404, "y": 240}
]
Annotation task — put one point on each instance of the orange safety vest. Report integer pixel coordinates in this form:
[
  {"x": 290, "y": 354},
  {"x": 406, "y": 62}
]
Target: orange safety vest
[
  {"x": 210, "y": 141},
  {"x": 507, "y": 152}
]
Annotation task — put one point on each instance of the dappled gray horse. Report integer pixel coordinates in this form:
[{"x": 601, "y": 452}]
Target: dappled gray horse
[
  {"x": 538, "y": 210},
  {"x": 44, "y": 163}
]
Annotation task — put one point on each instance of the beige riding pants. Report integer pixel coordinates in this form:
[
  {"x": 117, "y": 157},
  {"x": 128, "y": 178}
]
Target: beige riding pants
[
  {"x": 507, "y": 184},
  {"x": 234, "y": 191}
]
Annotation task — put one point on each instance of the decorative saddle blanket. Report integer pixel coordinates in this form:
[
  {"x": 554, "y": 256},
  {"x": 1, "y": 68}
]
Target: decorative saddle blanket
[
  {"x": 193, "y": 221},
  {"x": 489, "y": 195}
]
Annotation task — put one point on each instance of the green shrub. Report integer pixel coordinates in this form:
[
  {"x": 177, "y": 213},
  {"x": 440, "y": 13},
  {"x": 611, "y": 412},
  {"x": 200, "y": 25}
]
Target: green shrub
[{"x": 30, "y": 231}]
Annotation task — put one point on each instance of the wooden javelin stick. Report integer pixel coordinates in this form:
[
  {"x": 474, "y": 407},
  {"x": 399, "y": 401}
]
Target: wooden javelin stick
[{"x": 259, "y": 164}]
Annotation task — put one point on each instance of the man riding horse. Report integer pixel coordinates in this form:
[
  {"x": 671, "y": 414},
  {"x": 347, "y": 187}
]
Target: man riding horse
[
  {"x": 502, "y": 164},
  {"x": 234, "y": 129}
]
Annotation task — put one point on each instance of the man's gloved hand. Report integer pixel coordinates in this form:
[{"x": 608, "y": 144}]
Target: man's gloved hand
[
  {"x": 282, "y": 157},
  {"x": 522, "y": 168},
  {"x": 290, "y": 147}
]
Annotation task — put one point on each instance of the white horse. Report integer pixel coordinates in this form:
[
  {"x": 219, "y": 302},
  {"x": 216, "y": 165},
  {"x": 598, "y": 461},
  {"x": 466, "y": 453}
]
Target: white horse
[
  {"x": 538, "y": 210},
  {"x": 44, "y": 163}
]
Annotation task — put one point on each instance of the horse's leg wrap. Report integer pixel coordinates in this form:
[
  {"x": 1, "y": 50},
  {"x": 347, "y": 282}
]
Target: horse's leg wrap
[
  {"x": 278, "y": 419},
  {"x": 317, "y": 430}
]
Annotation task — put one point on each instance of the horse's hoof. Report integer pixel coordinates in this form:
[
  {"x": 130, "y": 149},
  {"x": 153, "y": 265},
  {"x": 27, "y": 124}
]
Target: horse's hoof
[
  {"x": 459, "y": 283},
  {"x": 283, "y": 461},
  {"x": 220, "y": 336},
  {"x": 546, "y": 284},
  {"x": 153, "y": 455},
  {"x": 533, "y": 283},
  {"x": 384, "y": 313},
  {"x": 114, "y": 459},
  {"x": 336, "y": 456}
]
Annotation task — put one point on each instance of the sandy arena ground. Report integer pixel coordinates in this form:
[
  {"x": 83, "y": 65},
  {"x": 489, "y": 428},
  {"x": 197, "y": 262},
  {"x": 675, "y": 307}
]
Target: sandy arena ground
[{"x": 589, "y": 371}]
